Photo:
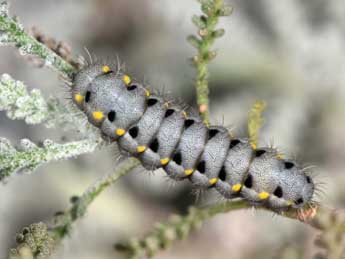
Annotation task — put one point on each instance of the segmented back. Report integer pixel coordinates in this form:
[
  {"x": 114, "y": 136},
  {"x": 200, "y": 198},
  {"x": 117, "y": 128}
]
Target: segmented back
[{"x": 161, "y": 134}]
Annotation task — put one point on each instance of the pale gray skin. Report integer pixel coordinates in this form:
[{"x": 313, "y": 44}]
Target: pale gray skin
[{"x": 164, "y": 132}]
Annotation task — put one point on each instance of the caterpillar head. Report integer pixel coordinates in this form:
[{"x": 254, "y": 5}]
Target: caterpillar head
[
  {"x": 298, "y": 186},
  {"x": 83, "y": 78},
  {"x": 279, "y": 183}
]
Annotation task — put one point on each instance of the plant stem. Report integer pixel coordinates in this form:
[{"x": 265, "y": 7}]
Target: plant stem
[
  {"x": 40, "y": 241},
  {"x": 12, "y": 33},
  {"x": 255, "y": 122},
  {"x": 62, "y": 223},
  {"x": 179, "y": 227},
  {"x": 207, "y": 33},
  {"x": 30, "y": 156}
]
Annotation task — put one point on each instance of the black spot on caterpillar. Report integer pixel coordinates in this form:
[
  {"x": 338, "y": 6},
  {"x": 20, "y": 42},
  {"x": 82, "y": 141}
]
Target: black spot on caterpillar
[{"x": 161, "y": 134}]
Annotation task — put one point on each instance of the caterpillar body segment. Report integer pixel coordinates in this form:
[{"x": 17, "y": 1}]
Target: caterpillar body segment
[{"x": 161, "y": 134}]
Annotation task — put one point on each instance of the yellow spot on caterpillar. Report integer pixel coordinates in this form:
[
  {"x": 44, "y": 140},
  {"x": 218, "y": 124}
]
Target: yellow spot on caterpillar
[
  {"x": 213, "y": 181},
  {"x": 164, "y": 161},
  {"x": 166, "y": 105},
  {"x": 280, "y": 156},
  {"x": 105, "y": 69},
  {"x": 264, "y": 195},
  {"x": 147, "y": 92},
  {"x": 188, "y": 171},
  {"x": 120, "y": 132},
  {"x": 236, "y": 187},
  {"x": 126, "y": 79},
  {"x": 141, "y": 149},
  {"x": 184, "y": 114},
  {"x": 232, "y": 135},
  {"x": 79, "y": 98},
  {"x": 253, "y": 145},
  {"x": 98, "y": 115},
  {"x": 289, "y": 203}
]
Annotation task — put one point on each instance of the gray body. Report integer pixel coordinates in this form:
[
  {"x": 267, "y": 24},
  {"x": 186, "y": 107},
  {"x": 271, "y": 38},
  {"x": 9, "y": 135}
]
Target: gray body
[{"x": 163, "y": 135}]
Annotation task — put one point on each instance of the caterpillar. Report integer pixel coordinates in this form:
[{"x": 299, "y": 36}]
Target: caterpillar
[{"x": 162, "y": 135}]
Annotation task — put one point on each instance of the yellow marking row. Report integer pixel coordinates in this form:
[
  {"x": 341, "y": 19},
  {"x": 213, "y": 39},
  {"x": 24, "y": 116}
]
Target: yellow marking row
[
  {"x": 236, "y": 187},
  {"x": 105, "y": 69},
  {"x": 264, "y": 195},
  {"x": 188, "y": 171},
  {"x": 78, "y": 98},
  {"x": 280, "y": 156},
  {"x": 289, "y": 203},
  {"x": 165, "y": 161},
  {"x": 97, "y": 116},
  {"x": 120, "y": 132},
  {"x": 184, "y": 114},
  {"x": 141, "y": 149},
  {"x": 213, "y": 181},
  {"x": 126, "y": 79}
]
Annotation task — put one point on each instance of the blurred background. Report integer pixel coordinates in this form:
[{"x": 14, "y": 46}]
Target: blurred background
[{"x": 289, "y": 53}]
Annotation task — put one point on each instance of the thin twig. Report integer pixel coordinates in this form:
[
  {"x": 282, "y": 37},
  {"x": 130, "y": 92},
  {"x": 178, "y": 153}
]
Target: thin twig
[
  {"x": 179, "y": 227},
  {"x": 255, "y": 122},
  {"x": 207, "y": 33},
  {"x": 30, "y": 156},
  {"x": 41, "y": 243},
  {"x": 63, "y": 222},
  {"x": 13, "y": 33}
]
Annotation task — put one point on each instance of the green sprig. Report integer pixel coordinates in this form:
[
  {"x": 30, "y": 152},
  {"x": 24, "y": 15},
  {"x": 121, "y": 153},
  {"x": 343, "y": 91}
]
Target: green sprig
[
  {"x": 29, "y": 156},
  {"x": 33, "y": 241},
  {"x": 255, "y": 122},
  {"x": 39, "y": 240},
  {"x": 20, "y": 104},
  {"x": 176, "y": 228},
  {"x": 179, "y": 227},
  {"x": 13, "y": 33},
  {"x": 207, "y": 33},
  {"x": 62, "y": 222}
]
